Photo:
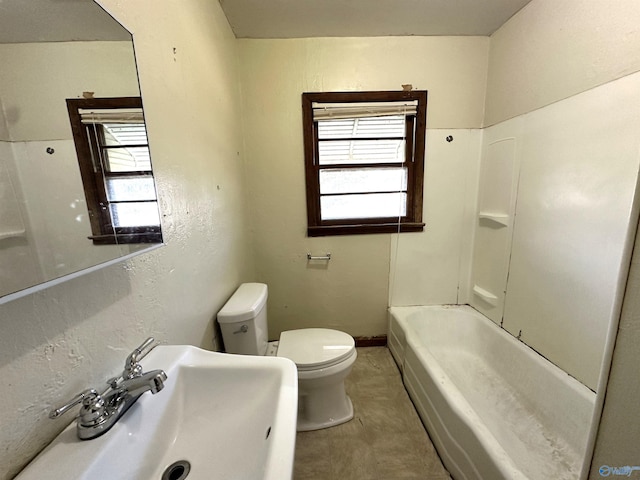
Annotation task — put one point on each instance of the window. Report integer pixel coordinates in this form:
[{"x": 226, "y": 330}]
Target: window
[
  {"x": 115, "y": 165},
  {"x": 364, "y": 161}
]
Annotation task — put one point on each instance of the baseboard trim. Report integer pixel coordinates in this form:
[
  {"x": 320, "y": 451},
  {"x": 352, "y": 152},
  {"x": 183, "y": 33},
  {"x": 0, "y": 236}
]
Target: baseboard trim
[{"x": 377, "y": 341}]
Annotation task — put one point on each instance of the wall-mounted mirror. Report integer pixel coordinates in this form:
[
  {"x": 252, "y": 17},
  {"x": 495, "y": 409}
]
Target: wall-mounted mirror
[{"x": 52, "y": 51}]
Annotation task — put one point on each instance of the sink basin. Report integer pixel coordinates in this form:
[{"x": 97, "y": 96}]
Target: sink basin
[{"x": 227, "y": 416}]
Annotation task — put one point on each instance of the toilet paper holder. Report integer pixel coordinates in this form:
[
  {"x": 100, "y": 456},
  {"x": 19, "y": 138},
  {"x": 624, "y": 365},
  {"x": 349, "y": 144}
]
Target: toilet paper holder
[{"x": 326, "y": 256}]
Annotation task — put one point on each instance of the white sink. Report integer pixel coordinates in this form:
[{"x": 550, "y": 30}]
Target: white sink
[{"x": 232, "y": 417}]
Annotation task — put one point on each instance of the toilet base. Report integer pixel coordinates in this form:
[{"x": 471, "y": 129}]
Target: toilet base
[
  {"x": 305, "y": 425},
  {"x": 322, "y": 398}
]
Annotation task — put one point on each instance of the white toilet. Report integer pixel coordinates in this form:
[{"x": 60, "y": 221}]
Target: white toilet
[{"x": 324, "y": 357}]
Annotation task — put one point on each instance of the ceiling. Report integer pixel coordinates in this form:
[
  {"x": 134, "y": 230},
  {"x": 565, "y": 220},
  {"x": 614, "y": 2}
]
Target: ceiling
[
  {"x": 68, "y": 20},
  {"x": 366, "y": 18}
]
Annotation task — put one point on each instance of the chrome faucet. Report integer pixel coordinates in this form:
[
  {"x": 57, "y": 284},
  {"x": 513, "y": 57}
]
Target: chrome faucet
[
  {"x": 101, "y": 411},
  {"x": 152, "y": 381}
]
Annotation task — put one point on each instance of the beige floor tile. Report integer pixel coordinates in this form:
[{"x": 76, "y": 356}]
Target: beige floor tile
[{"x": 384, "y": 441}]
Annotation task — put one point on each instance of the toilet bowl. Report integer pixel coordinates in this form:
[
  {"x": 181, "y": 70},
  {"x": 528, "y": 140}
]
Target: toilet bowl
[{"x": 324, "y": 357}]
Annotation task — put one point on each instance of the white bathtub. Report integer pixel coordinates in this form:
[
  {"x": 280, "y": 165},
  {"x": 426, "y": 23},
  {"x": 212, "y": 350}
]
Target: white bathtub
[{"x": 494, "y": 408}]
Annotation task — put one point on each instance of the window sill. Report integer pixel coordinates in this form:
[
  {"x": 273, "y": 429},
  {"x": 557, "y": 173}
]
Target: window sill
[
  {"x": 127, "y": 238},
  {"x": 362, "y": 229}
]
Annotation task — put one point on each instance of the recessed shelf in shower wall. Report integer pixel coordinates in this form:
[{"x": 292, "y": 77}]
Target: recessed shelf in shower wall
[
  {"x": 499, "y": 172},
  {"x": 485, "y": 295},
  {"x": 12, "y": 233},
  {"x": 497, "y": 218}
]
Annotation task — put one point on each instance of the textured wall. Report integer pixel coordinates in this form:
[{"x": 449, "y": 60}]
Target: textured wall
[
  {"x": 553, "y": 49},
  {"x": 59, "y": 341},
  {"x": 351, "y": 293}
]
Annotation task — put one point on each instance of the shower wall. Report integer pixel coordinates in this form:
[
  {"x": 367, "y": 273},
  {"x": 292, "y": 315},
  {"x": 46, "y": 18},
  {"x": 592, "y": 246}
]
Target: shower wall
[
  {"x": 19, "y": 265},
  {"x": 550, "y": 229},
  {"x": 561, "y": 83},
  {"x": 574, "y": 165},
  {"x": 429, "y": 268}
]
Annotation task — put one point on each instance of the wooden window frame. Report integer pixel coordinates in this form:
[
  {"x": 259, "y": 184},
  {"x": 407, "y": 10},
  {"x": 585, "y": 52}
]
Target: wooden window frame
[
  {"x": 414, "y": 161},
  {"x": 102, "y": 228}
]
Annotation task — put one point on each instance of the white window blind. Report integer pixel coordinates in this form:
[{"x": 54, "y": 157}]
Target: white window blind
[
  {"x": 363, "y": 140},
  {"x": 124, "y": 138},
  {"x": 335, "y": 111},
  {"x": 367, "y": 139},
  {"x": 111, "y": 115}
]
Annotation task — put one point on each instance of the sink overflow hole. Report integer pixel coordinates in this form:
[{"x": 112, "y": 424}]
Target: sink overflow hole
[
  {"x": 268, "y": 433},
  {"x": 177, "y": 471}
]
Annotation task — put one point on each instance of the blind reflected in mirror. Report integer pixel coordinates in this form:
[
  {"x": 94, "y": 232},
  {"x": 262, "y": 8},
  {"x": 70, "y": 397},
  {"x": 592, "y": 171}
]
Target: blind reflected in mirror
[{"x": 113, "y": 155}]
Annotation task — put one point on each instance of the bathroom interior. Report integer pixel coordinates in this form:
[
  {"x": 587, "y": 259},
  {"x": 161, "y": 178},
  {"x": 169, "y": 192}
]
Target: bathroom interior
[{"x": 552, "y": 93}]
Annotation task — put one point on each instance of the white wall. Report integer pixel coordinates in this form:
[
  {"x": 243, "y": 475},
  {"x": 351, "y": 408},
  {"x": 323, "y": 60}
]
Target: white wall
[
  {"x": 553, "y": 49},
  {"x": 351, "y": 292},
  {"x": 59, "y": 341}
]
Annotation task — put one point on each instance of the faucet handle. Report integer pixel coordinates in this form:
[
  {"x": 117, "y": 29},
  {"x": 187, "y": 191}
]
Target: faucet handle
[
  {"x": 114, "y": 381},
  {"x": 131, "y": 366},
  {"x": 87, "y": 397}
]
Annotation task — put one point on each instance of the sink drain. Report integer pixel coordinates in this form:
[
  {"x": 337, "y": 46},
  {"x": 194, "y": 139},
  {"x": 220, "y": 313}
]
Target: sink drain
[{"x": 177, "y": 471}]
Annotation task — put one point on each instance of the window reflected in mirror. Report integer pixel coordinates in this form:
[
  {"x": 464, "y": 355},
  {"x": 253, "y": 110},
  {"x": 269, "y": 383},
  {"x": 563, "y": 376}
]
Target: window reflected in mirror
[{"x": 115, "y": 165}]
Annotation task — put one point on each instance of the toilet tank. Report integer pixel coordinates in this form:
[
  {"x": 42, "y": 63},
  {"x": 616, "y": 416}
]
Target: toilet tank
[{"x": 243, "y": 320}]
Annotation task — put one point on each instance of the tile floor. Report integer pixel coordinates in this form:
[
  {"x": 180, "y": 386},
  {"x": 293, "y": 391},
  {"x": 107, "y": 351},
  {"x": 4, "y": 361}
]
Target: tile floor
[{"x": 384, "y": 441}]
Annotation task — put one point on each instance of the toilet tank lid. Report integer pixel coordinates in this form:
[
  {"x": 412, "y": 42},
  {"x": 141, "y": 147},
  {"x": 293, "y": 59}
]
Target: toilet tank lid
[{"x": 247, "y": 301}]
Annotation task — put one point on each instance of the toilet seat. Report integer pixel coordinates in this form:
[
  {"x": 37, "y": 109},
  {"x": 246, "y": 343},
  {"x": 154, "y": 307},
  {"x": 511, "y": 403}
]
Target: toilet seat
[{"x": 315, "y": 348}]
